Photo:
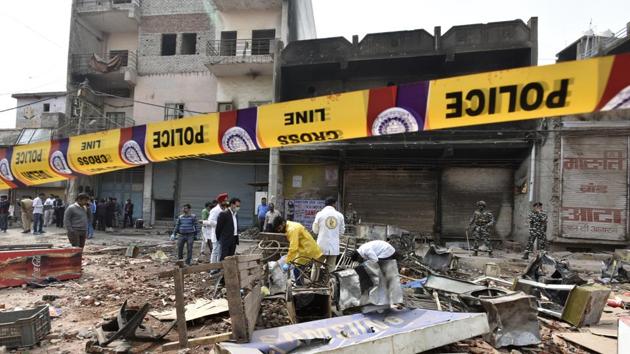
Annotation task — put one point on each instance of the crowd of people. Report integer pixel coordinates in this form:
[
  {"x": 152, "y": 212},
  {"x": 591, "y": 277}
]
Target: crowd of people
[
  {"x": 41, "y": 212},
  {"x": 219, "y": 229}
]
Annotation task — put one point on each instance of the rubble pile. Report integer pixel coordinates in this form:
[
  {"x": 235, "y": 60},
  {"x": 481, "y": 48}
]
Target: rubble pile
[
  {"x": 545, "y": 305},
  {"x": 274, "y": 315}
]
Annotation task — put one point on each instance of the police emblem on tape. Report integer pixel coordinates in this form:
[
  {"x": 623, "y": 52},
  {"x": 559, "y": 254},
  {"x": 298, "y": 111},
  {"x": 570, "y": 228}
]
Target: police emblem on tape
[{"x": 394, "y": 120}]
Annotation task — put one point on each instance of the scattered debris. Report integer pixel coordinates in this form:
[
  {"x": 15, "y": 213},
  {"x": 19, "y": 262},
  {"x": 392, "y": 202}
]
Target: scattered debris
[
  {"x": 597, "y": 344},
  {"x": 585, "y": 305},
  {"x": 513, "y": 320},
  {"x": 132, "y": 251},
  {"x": 126, "y": 326},
  {"x": 159, "y": 256},
  {"x": 199, "y": 309},
  {"x": 439, "y": 259}
]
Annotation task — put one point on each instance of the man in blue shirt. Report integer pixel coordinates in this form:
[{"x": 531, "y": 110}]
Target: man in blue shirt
[
  {"x": 187, "y": 228},
  {"x": 263, "y": 208}
]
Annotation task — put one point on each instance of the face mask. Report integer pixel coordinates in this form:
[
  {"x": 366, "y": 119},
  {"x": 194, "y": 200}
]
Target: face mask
[{"x": 236, "y": 209}]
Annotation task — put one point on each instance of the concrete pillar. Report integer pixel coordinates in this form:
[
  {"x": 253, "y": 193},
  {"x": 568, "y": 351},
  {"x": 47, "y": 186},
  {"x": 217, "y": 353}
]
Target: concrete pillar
[
  {"x": 274, "y": 190},
  {"x": 437, "y": 38},
  {"x": 147, "y": 194},
  {"x": 533, "y": 38}
]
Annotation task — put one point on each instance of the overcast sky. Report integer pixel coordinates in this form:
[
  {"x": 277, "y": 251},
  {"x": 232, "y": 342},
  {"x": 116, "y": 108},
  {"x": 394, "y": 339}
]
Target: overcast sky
[{"x": 34, "y": 33}]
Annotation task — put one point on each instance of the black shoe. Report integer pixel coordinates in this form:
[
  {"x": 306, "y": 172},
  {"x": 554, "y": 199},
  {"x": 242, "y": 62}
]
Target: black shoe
[
  {"x": 475, "y": 254},
  {"x": 525, "y": 256},
  {"x": 490, "y": 254},
  {"x": 26, "y": 231}
]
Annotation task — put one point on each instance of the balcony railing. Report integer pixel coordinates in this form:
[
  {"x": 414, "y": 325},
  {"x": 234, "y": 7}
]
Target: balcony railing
[
  {"x": 605, "y": 43},
  {"x": 104, "y": 5},
  {"x": 114, "y": 61},
  {"x": 239, "y": 50}
]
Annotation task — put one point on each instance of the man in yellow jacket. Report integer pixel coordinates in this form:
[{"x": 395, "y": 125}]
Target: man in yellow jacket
[{"x": 302, "y": 246}]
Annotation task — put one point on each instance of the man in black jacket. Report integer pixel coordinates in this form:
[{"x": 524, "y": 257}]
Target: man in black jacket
[{"x": 227, "y": 229}]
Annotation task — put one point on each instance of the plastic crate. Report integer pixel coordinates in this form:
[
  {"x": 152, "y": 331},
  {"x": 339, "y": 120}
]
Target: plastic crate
[{"x": 24, "y": 328}]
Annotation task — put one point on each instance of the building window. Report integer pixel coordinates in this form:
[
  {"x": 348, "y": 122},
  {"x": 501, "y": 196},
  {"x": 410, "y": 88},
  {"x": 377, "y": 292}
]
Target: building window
[
  {"x": 225, "y": 106},
  {"x": 123, "y": 54},
  {"x": 115, "y": 119},
  {"x": 228, "y": 43},
  {"x": 258, "y": 103},
  {"x": 173, "y": 111},
  {"x": 189, "y": 44},
  {"x": 46, "y": 107},
  {"x": 169, "y": 43},
  {"x": 261, "y": 40}
]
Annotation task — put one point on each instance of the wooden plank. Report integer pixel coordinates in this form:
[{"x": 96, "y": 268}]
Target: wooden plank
[
  {"x": 235, "y": 303},
  {"x": 248, "y": 265},
  {"x": 252, "y": 307},
  {"x": 249, "y": 257},
  {"x": 202, "y": 268},
  {"x": 217, "y": 338},
  {"x": 26, "y": 246},
  {"x": 180, "y": 308},
  {"x": 247, "y": 272},
  {"x": 246, "y": 282},
  {"x": 193, "y": 269}
]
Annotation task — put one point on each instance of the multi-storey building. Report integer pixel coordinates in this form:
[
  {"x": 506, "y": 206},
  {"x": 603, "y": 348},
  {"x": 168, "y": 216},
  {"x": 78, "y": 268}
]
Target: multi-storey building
[
  {"x": 425, "y": 182},
  {"x": 135, "y": 62}
]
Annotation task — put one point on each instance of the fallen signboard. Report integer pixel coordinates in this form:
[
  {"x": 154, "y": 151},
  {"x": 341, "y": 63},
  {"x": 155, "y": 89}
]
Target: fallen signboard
[
  {"x": 395, "y": 331},
  {"x": 23, "y": 266}
]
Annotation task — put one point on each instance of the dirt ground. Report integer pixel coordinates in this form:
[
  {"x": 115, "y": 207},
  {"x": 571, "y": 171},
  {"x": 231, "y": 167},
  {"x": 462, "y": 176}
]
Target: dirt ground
[{"x": 109, "y": 278}]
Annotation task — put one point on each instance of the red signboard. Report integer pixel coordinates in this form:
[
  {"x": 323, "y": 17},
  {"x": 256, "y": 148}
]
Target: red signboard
[{"x": 19, "y": 267}]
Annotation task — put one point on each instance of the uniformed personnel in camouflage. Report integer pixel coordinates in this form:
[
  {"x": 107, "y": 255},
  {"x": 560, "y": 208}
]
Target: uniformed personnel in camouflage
[
  {"x": 537, "y": 229},
  {"x": 481, "y": 222}
]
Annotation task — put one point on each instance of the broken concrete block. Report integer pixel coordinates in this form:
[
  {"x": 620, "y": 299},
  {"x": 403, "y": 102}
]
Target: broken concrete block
[
  {"x": 513, "y": 320},
  {"x": 585, "y": 305}
]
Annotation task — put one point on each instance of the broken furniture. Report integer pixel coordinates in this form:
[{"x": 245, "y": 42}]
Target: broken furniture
[
  {"x": 439, "y": 259},
  {"x": 513, "y": 320},
  {"x": 583, "y": 305},
  {"x": 371, "y": 285},
  {"x": 272, "y": 246},
  {"x": 30, "y": 264},
  {"x": 24, "y": 328},
  {"x": 308, "y": 300},
  {"x": 394, "y": 331},
  {"x": 243, "y": 282}
]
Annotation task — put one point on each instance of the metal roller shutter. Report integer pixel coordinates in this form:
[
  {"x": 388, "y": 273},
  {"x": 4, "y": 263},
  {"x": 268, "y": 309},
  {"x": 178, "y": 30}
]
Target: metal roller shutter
[
  {"x": 594, "y": 187},
  {"x": 405, "y": 198},
  {"x": 201, "y": 181},
  {"x": 462, "y": 187}
]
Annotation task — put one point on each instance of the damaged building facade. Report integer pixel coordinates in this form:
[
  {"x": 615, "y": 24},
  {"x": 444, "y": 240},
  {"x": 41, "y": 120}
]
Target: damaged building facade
[
  {"x": 582, "y": 163},
  {"x": 132, "y": 62},
  {"x": 427, "y": 183}
]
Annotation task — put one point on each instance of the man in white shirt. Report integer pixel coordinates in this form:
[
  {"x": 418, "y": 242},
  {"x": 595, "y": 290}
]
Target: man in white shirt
[
  {"x": 329, "y": 225},
  {"x": 376, "y": 250},
  {"x": 48, "y": 210},
  {"x": 211, "y": 226},
  {"x": 38, "y": 214}
]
